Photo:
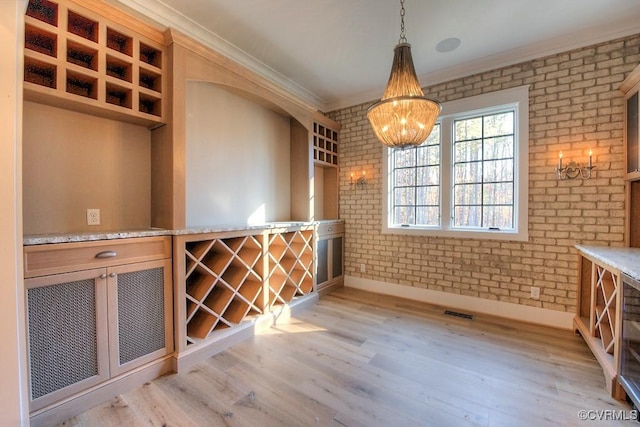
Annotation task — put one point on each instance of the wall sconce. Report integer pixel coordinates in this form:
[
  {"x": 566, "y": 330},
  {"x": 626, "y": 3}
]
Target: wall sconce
[
  {"x": 574, "y": 170},
  {"x": 360, "y": 182}
]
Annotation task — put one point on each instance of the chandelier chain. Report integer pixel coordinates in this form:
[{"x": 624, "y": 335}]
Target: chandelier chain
[{"x": 403, "y": 37}]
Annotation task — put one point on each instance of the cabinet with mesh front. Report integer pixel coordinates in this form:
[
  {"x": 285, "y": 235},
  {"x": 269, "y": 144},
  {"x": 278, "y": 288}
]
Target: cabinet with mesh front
[{"x": 87, "y": 326}]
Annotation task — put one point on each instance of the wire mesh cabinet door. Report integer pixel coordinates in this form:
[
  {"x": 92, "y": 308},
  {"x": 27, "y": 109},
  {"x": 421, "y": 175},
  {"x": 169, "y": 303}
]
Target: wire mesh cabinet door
[
  {"x": 67, "y": 334},
  {"x": 140, "y": 308}
]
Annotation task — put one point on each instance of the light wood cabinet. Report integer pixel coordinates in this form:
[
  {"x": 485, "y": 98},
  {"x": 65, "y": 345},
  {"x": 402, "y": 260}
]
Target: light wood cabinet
[
  {"x": 631, "y": 90},
  {"x": 598, "y": 315},
  {"x": 225, "y": 279},
  {"x": 93, "y": 62},
  {"x": 329, "y": 257},
  {"x": 326, "y": 171},
  {"x": 95, "y": 322}
]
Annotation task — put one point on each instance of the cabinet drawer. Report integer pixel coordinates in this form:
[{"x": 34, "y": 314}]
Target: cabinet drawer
[
  {"x": 64, "y": 257},
  {"x": 332, "y": 228}
]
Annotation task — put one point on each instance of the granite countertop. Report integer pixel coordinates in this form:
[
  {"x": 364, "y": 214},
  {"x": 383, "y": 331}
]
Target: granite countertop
[
  {"x": 42, "y": 239},
  {"x": 627, "y": 260}
]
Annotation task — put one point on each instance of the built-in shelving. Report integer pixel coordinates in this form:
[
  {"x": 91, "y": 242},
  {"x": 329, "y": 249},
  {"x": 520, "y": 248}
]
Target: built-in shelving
[
  {"x": 77, "y": 58},
  {"x": 222, "y": 281},
  {"x": 290, "y": 266},
  {"x": 325, "y": 145},
  {"x": 227, "y": 279},
  {"x": 598, "y": 305}
]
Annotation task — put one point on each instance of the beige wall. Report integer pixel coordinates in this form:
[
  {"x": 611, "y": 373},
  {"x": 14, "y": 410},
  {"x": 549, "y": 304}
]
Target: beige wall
[
  {"x": 237, "y": 159},
  {"x": 75, "y": 161},
  {"x": 573, "y": 106},
  {"x": 12, "y": 358}
]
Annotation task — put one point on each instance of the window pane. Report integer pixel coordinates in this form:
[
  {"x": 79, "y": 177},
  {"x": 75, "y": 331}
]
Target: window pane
[
  {"x": 498, "y": 124},
  {"x": 404, "y": 177},
  {"x": 467, "y": 216},
  {"x": 428, "y": 196},
  {"x": 404, "y": 215},
  {"x": 428, "y": 156},
  {"x": 468, "y": 151},
  {"x": 498, "y": 147},
  {"x": 428, "y": 216},
  {"x": 498, "y": 171},
  {"x": 404, "y": 158},
  {"x": 498, "y": 216},
  {"x": 468, "y": 129},
  {"x": 428, "y": 175},
  {"x": 467, "y": 172},
  {"x": 434, "y": 136},
  {"x": 405, "y": 196},
  {"x": 498, "y": 194},
  {"x": 469, "y": 194}
]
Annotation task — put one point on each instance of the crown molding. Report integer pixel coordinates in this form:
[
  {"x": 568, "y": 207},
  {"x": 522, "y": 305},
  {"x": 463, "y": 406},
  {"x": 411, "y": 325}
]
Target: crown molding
[
  {"x": 168, "y": 17},
  {"x": 502, "y": 59}
]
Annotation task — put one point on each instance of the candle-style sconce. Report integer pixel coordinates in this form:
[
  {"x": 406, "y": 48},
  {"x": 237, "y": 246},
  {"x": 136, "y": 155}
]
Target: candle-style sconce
[
  {"x": 574, "y": 170},
  {"x": 360, "y": 182}
]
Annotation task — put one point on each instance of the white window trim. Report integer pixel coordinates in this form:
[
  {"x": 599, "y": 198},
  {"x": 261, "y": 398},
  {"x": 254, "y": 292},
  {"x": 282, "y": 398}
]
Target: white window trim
[{"x": 516, "y": 98}]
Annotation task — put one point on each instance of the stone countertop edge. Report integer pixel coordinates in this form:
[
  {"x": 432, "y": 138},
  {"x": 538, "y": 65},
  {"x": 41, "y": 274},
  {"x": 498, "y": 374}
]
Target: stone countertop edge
[
  {"x": 43, "y": 239},
  {"x": 627, "y": 260}
]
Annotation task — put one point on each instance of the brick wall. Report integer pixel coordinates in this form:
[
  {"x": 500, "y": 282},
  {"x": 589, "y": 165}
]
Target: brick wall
[{"x": 574, "y": 105}]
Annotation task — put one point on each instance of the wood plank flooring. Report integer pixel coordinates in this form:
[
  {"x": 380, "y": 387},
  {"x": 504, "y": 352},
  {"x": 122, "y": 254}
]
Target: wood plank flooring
[{"x": 361, "y": 359}]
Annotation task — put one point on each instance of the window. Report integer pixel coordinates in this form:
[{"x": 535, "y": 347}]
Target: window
[{"x": 469, "y": 178}]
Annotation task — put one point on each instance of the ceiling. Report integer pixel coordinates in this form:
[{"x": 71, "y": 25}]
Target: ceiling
[{"x": 336, "y": 53}]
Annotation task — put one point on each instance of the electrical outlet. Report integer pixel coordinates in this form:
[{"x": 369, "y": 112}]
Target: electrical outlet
[
  {"x": 535, "y": 292},
  {"x": 363, "y": 268},
  {"x": 93, "y": 216}
]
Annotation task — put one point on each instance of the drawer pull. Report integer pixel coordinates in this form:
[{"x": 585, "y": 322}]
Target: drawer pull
[
  {"x": 103, "y": 276},
  {"x": 112, "y": 275},
  {"x": 106, "y": 254},
  {"x": 330, "y": 229}
]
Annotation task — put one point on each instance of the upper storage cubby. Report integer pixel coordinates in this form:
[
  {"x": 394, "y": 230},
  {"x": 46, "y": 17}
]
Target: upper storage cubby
[
  {"x": 97, "y": 61},
  {"x": 325, "y": 145}
]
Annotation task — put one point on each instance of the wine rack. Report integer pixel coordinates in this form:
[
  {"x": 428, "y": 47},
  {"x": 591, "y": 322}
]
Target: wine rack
[
  {"x": 78, "y": 59},
  {"x": 228, "y": 278},
  {"x": 605, "y": 307},
  {"x": 325, "y": 145},
  {"x": 290, "y": 266},
  {"x": 223, "y": 283}
]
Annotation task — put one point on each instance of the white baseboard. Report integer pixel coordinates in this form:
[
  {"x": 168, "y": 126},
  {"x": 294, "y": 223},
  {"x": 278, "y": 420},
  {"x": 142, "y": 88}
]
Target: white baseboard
[{"x": 524, "y": 313}]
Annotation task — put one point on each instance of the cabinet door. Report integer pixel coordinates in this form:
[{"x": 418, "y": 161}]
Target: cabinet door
[
  {"x": 336, "y": 256},
  {"x": 322, "y": 264},
  {"x": 632, "y": 136},
  {"x": 67, "y": 334},
  {"x": 140, "y": 310}
]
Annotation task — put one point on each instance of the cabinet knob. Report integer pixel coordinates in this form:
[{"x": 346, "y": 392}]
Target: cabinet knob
[
  {"x": 106, "y": 254},
  {"x": 330, "y": 229},
  {"x": 112, "y": 275},
  {"x": 103, "y": 276}
]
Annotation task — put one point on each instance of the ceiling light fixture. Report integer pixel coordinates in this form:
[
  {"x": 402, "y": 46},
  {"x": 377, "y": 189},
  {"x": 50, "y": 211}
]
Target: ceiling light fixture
[{"x": 404, "y": 116}]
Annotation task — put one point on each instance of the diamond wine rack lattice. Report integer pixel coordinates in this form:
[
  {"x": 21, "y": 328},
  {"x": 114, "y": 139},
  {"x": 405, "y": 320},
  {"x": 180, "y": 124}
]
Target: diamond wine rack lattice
[
  {"x": 605, "y": 307},
  {"x": 230, "y": 279},
  {"x": 290, "y": 266},
  {"x": 223, "y": 283}
]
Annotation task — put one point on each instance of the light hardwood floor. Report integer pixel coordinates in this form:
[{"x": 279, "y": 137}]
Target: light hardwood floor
[{"x": 361, "y": 359}]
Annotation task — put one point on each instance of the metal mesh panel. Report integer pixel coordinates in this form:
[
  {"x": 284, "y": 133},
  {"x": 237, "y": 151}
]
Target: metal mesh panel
[
  {"x": 62, "y": 335},
  {"x": 140, "y": 313}
]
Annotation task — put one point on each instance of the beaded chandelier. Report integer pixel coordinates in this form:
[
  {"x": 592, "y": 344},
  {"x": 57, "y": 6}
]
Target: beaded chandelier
[{"x": 404, "y": 116}]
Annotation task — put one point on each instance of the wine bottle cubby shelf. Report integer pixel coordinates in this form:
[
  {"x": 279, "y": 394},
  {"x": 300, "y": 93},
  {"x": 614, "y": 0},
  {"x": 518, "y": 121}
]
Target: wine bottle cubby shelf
[
  {"x": 325, "y": 145},
  {"x": 79, "y": 59},
  {"x": 228, "y": 279}
]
